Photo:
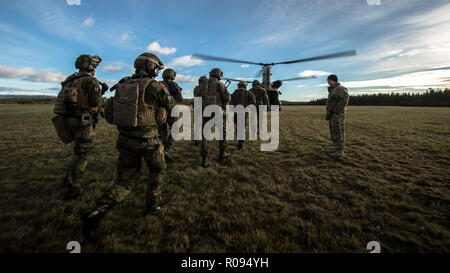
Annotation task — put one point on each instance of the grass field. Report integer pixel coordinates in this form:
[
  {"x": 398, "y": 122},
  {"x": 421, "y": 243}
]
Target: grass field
[{"x": 392, "y": 187}]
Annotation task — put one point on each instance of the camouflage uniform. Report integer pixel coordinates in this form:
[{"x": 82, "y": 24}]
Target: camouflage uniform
[
  {"x": 336, "y": 107},
  {"x": 198, "y": 93},
  {"x": 164, "y": 130},
  {"x": 242, "y": 96},
  {"x": 260, "y": 95},
  {"x": 135, "y": 144},
  {"x": 83, "y": 132},
  {"x": 273, "y": 95},
  {"x": 222, "y": 100}
]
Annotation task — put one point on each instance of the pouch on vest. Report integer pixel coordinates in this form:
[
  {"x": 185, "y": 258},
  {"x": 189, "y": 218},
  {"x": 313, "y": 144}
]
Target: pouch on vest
[
  {"x": 161, "y": 115},
  {"x": 64, "y": 134},
  {"x": 70, "y": 94},
  {"x": 60, "y": 107}
]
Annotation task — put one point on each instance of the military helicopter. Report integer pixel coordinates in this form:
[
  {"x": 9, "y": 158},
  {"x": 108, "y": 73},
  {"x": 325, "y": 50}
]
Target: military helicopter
[{"x": 266, "y": 68}]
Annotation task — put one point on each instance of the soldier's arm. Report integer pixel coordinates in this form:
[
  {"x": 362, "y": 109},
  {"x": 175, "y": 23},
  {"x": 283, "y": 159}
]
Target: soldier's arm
[
  {"x": 225, "y": 94},
  {"x": 176, "y": 92},
  {"x": 341, "y": 100},
  {"x": 92, "y": 86},
  {"x": 252, "y": 98},
  {"x": 265, "y": 97},
  {"x": 157, "y": 95}
]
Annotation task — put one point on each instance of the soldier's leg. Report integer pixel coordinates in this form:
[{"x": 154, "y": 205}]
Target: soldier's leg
[
  {"x": 128, "y": 168},
  {"x": 342, "y": 131},
  {"x": 335, "y": 131},
  {"x": 204, "y": 148},
  {"x": 223, "y": 143},
  {"x": 83, "y": 144},
  {"x": 154, "y": 157}
]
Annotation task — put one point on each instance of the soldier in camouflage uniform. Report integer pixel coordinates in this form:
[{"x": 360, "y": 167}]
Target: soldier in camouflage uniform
[
  {"x": 169, "y": 76},
  {"x": 336, "y": 108},
  {"x": 242, "y": 96},
  {"x": 136, "y": 142},
  {"x": 198, "y": 93},
  {"x": 260, "y": 94},
  {"x": 80, "y": 102},
  {"x": 215, "y": 92},
  {"x": 274, "y": 94}
]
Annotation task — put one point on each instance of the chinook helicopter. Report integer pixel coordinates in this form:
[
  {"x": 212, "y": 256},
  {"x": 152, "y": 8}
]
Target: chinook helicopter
[{"x": 266, "y": 68}]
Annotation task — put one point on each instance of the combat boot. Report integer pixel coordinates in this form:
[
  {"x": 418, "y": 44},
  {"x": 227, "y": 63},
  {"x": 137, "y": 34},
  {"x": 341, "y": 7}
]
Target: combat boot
[
  {"x": 240, "y": 146},
  {"x": 223, "y": 155},
  {"x": 337, "y": 154},
  {"x": 92, "y": 220},
  {"x": 206, "y": 162},
  {"x": 70, "y": 192},
  {"x": 153, "y": 209}
]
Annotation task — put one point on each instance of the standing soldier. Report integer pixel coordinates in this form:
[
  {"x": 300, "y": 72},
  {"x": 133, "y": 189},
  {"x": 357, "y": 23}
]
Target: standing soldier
[
  {"x": 242, "y": 96},
  {"x": 77, "y": 106},
  {"x": 260, "y": 94},
  {"x": 336, "y": 108},
  {"x": 215, "y": 92},
  {"x": 139, "y": 106},
  {"x": 274, "y": 94},
  {"x": 169, "y": 76},
  {"x": 198, "y": 93}
]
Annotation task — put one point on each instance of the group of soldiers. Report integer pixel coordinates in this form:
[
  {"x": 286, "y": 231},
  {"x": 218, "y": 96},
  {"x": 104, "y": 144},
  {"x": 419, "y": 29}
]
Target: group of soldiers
[{"x": 141, "y": 110}]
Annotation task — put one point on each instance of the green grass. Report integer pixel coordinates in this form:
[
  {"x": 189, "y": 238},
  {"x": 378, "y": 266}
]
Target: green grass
[{"x": 393, "y": 187}]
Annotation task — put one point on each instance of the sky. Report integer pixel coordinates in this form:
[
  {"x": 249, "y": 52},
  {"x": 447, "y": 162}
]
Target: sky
[{"x": 402, "y": 45}]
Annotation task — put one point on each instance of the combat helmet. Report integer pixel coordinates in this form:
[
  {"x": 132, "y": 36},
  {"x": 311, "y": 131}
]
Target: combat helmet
[
  {"x": 169, "y": 73},
  {"x": 242, "y": 84},
  {"x": 216, "y": 73},
  {"x": 87, "y": 62},
  {"x": 202, "y": 79},
  {"x": 148, "y": 62},
  {"x": 277, "y": 84},
  {"x": 256, "y": 82}
]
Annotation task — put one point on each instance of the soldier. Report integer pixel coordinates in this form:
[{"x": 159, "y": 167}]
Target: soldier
[
  {"x": 198, "y": 93},
  {"x": 137, "y": 122},
  {"x": 169, "y": 76},
  {"x": 78, "y": 105},
  {"x": 274, "y": 94},
  {"x": 214, "y": 92},
  {"x": 242, "y": 96},
  {"x": 260, "y": 94},
  {"x": 336, "y": 108}
]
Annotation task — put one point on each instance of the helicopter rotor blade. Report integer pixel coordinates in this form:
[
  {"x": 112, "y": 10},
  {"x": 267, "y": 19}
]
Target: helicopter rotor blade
[
  {"x": 328, "y": 56},
  {"x": 299, "y": 78},
  {"x": 237, "y": 80},
  {"x": 221, "y": 59}
]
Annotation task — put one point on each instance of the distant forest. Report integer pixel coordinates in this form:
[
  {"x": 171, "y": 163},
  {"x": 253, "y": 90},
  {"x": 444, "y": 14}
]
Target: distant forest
[{"x": 429, "y": 98}]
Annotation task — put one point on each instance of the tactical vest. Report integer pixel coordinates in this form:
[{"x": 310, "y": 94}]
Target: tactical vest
[
  {"x": 258, "y": 92},
  {"x": 129, "y": 107},
  {"x": 240, "y": 97},
  {"x": 72, "y": 99},
  {"x": 212, "y": 93}
]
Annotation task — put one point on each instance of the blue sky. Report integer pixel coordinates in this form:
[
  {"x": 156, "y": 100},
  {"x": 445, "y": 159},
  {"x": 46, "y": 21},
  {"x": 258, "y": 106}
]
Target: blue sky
[{"x": 398, "y": 42}]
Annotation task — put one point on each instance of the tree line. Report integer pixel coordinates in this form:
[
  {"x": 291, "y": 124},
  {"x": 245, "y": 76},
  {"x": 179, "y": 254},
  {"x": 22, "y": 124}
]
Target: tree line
[{"x": 430, "y": 97}]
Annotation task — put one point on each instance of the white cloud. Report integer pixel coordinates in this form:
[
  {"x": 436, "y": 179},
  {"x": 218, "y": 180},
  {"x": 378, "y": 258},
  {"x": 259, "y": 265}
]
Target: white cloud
[
  {"x": 156, "y": 47},
  {"x": 308, "y": 73},
  {"x": 187, "y": 92},
  {"x": 186, "y": 78},
  {"x": 117, "y": 67},
  {"x": 300, "y": 86},
  {"x": 9, "y": 72},
  {"x": 417, "y": 80},
  {"x": 73, "y": 2},
  {"x": 46, "y": 76},
  {"x": 30, "y": 74},
  {"x": 185, "y": 61},
  {"x": 88, "y": 22},
  {"x": 245, "y": 65}
]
